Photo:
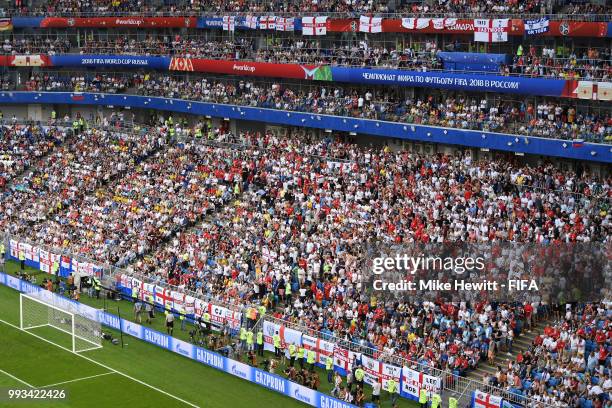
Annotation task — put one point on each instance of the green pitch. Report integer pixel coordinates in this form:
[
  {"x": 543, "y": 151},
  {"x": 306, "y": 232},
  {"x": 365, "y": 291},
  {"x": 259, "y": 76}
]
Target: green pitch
[{"x": 137, "y": 375}]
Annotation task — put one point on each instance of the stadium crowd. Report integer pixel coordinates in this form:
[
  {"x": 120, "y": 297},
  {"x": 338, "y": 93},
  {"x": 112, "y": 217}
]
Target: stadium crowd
[
  {"x": 71, "y": 172},
  {"x": 589, "y": 63},
  {"x": 21, "y": 145},
  {"x": 568, "y": 365},
  {"x": 293, "y": 240},
  {"x": 288, "y": 216},
  {"x": 544, "y": 119},
  {"x": 35, "y": 45},
  {"x": 439, "y": 8}
]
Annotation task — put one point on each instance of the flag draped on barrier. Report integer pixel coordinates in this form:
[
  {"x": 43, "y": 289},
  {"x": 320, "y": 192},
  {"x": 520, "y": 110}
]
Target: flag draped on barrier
[
  {"x": 491, "y": 30},
  {"x": 314, "y": 25}
]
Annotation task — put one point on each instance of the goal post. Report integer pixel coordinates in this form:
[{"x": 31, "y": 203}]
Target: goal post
[{"x": 59, "y": 315}]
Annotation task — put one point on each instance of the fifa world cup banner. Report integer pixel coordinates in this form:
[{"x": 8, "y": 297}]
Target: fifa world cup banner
[
  {"x": 413, "y": 381},
  {"x": 453, "y": 81},
  {"x": 119, "y": 22},
  {"x": 133, "y": 61}
]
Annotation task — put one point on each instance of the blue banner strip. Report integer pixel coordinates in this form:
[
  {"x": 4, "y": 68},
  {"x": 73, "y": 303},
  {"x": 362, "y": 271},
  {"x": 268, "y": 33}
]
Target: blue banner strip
[
  {"x": 420, "y": 133},
  {"x": 446, "y": 80}
]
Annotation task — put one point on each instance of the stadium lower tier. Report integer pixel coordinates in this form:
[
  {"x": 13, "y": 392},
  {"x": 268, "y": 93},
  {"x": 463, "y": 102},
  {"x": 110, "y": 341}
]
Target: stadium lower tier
[
  {"x": 570, "y": 149},
  {"x": 258, "y": 220}
]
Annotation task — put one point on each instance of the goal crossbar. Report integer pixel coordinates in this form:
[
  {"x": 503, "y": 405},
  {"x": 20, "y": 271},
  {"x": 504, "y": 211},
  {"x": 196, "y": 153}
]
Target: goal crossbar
[{"x": 85, "y": 333}]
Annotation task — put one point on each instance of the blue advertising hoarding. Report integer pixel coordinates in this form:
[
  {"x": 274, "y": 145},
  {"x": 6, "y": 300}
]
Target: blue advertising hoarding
[
  {"x": 593, "y": 152},
  {"x": 452, "y": 81}
]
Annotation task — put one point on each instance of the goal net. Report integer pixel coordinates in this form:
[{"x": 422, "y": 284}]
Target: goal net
[{"x": 59, "y": 321}]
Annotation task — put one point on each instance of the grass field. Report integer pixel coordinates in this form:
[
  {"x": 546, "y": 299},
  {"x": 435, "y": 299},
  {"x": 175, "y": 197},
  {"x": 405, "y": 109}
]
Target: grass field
[{"x": 138, "y": 375}]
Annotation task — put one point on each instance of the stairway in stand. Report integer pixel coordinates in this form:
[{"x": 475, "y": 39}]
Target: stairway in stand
[{"x": 521, "y": 343}]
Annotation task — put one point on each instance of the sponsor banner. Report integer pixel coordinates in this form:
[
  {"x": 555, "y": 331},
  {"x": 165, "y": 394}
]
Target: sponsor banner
[
  {"x": 271, "y": 381},
  {"x": 154, "y": 337},
  {"x": 210, "y": 358},
  {"x": 483, "y": 400},
  {"x": 110, "y": 61},
  {"x": 118, "y": 22},
  {"x": 301, "y": 393},
  {"x": 538, "y": 26},
  {"x": 463, "y": 82},
  {"x": 238, "y": 369},
  {"x": 133, "y": 329},
  {"x": 439, "y": 80},
  {"x": 13, "y": 282},
  {"x": 182, "y": 347},
  {"x": 244, "y": 68},
  {"x": 413, "y": 381}
]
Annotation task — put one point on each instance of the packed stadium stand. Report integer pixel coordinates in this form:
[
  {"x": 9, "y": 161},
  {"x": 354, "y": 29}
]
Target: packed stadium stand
[{"x": 269, "y": 217}]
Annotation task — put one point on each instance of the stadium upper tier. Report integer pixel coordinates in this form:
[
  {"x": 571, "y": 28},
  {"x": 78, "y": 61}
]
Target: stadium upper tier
[
  {"x": 590, "y": 63},
  {"x": 544, "y": 118},
  {"x": 441, "y": 8}
]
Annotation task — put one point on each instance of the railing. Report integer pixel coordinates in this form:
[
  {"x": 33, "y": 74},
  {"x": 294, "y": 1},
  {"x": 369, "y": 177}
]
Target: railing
[
  {"x": 192, "y": 12},
  {"x": 451, "y": 383},
  {"x": 341, "y": 109}
]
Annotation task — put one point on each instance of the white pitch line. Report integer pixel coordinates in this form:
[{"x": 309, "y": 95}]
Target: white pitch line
[
  {"x": 103, "y": 365},
  {"x": 17, "y": 379},
  {"x": 77, "y": 379}
]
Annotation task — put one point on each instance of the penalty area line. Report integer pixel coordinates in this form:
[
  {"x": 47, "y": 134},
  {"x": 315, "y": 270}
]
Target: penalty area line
[
  {"x": 77, "y": 379},
  {"x": 103, "y": 365},
  {"x": 16, "y": 379}
]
